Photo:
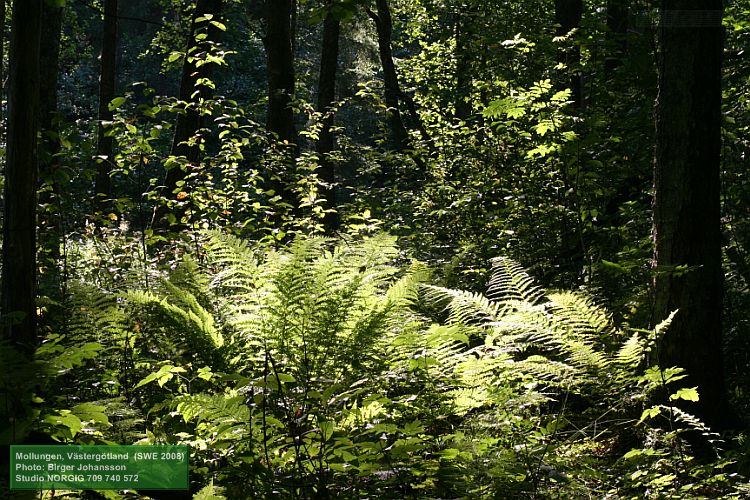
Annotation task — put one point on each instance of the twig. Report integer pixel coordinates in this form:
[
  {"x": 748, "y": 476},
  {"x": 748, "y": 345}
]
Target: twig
[{"x": 124, "y": 18}]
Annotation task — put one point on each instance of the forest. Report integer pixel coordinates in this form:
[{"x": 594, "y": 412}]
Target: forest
[{"x": 428, "y": 249}]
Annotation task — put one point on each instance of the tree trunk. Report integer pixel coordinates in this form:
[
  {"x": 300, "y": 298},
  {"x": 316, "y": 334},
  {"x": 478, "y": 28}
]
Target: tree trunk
[
  {"x": 189, "y": 123},
  {"x": 392, "y": 91},
  {"x": 2, "y": 63},
  {"x": 281, "y": 77},
  {"x": 18, "y": 292},
  {"x": 617, "y": 30},
  {"x": 50, "y": 230},
  {"x": 568, "y": 15},
  {"x": 687, "y": 238},
  {"x": 463, "y": 65},
  {"x": 105, "y": 144},
  {"x": 329, "y": 57},
  {"x": 49, "y": 57},
  {"x": 280, "y": 17}
]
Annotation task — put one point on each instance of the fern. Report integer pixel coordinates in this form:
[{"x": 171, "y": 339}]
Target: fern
[
  {"x": 317, "y": 310},
  {"x": 509, "y": 281},
  {"x": 226, "y": 412},
  {"x": 560, "y": 338},
  {"x": 193, "y": 327}
]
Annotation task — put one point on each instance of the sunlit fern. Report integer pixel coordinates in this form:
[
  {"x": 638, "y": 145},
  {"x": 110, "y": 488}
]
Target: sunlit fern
[{"x": 559, "y": 339}]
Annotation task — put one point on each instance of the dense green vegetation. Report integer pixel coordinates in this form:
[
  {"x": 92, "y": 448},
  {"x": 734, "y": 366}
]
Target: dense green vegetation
[{"x": 381, "y": 249}]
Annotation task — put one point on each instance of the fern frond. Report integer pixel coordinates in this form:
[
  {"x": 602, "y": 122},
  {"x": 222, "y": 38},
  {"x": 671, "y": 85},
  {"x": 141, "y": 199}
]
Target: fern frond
[
  {"x": 406, "y": 289},
  {"x": 438, "y": 350},
  {"x": 554, "y": 372},
  {"x": 561, "y": 338},
  {"x": 580, "y": 313},
  {"x": 193, "y": 325},
  {"x": 467, "y": 308},
  {"x": 510, "y": 281},
  {"x": 222, "y": 416},
  {"x": 631, "y": 352}
]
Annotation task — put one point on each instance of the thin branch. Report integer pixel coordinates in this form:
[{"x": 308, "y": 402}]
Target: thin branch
[{"x": 124, "y": 18}]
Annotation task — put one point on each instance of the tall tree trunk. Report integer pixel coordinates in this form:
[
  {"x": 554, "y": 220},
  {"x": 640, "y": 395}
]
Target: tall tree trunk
[
  {"x": 617, "y": 30},
  {"x": 281, "y": 77},
  {"x": 392, "y": 91},
  {"x": 280, "y": 18},
  {"x": 107, "y": 77},
  {"x": 2, "y": 63},
  {"x": 191, "y": 91},
  {"x": 329, "y": 57},
  {"x": 293, "y": 28},
  {"x": 50, "y": 231},
  {"x": 687, "y": 238},
  {"x": 18, "y": 292},
  {"x": 568, "y": 15},
  {"x": 49, "y": 57},
  {"x": 463, "y": 65}
]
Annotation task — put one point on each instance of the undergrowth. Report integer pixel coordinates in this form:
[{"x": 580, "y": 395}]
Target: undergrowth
[{"x": 334, "y": 369}]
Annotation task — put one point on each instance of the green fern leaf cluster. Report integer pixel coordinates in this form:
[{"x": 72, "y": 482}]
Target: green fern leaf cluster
[
  {"x": 316, "y": 309},
  {"x": 561, "y": 339}
]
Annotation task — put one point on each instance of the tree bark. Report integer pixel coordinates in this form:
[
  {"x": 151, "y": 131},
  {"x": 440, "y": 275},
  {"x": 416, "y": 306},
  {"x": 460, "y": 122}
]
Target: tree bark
[
  {"x": 568, "y": 15},
  {"x": 617, "y": 30},
  {"x": 281, "y": 76},
  {"x": 188, "y": 124},
  {"x": 392, "y": 91},
  {"x": 49, "y": 57},
  {"x": 2, "y": 62},
  {"x": 280, "y": 18},
  {"x": 18, "y": 292},
  {"x": 463, "y": 65},
  {"x": 329, "y": 57},
  {"x": 686, "y": 231},
  {"x": 107, "y": 82},
  {"x": 50, "y": 231}
]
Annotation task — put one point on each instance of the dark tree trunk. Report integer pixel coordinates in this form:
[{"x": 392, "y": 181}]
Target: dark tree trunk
[
  {"x": 617, "y": 30},
  {"x": 188, "y": 124},
  {"x": 463, "y": 65},
  {"x": 50, "y": 230},
  {"x": 392, "y": 91},
  {"x": 18, "y": 292},
  {"x": 329, "y": 57},
  {"x": 281, "y": 78},
  {"x": 105, "y": 143},
  {"x": 568, "y": 15},
  {"x": 687, "y": 238},
  {"x": 49, "y": 57},
  {"x": 280, "y": 17},
  {"x": 2, "y": 63},
  {"x": 293, "y": 28}
]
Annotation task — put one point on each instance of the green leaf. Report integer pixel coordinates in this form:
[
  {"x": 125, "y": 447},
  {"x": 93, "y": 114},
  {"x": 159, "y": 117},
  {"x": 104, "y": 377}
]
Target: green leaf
[
  {"x": 205, "y": 373},
  {"x": 219, "y": 25},
  {"x": 162, "y": 376},
  {"x": 326, "y": 430},
  {"x": 613, "y": 266},
  {"x": 543, "y": 127},
  {"x": 208, "y": 493},
  {"x": 686, "y": 393},
  {"x": 174, "y": 56},
  {"x": 649, "y": 413},
  {"x": 67, "y": 420},
  {"x": 116, "y": 103},
  {"x": 91, "y": 412},
  {"x": 632, "y": 454},
  {"x": 449, "y": 454},
  {"x": 283, "y": 377}
]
